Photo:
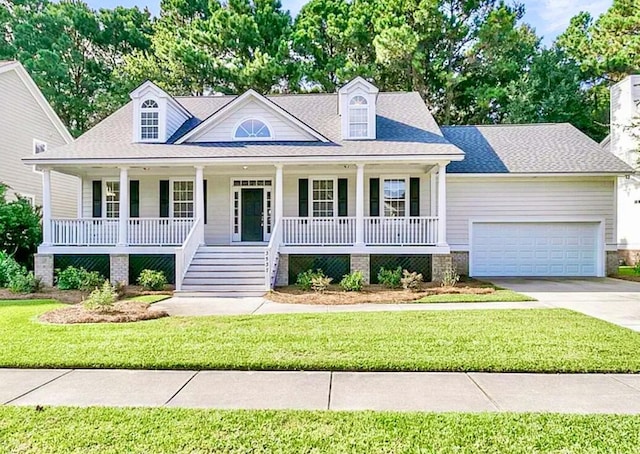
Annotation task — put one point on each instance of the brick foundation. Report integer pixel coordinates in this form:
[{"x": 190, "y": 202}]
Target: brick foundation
[
  {"x": 361, "y": 262},
  {"x": 460, "y": 261},
  {"x": 439, "y": 264},
  {"x": 119, "y": 266},
  {"x": 282, "y": 273},
  {"x": 43, "y": 264}
]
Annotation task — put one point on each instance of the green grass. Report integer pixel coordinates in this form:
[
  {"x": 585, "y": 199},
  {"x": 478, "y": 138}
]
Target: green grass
[
  {"x": 149, "y": 298},
  {"x": 540, "y": 340},
  {"x": 498, "y": 296},
  {"x": 162, "y": 430},
  {"x": 627, "y": 271}
]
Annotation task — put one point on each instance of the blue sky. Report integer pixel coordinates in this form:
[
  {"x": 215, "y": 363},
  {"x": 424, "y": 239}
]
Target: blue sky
[{"x": 549, "y": 17}]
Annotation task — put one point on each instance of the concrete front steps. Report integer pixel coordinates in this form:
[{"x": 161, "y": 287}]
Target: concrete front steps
[{"x": 226, "y": 271}]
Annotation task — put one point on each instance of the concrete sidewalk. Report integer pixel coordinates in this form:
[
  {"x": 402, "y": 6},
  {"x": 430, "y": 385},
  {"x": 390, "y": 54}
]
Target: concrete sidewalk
[{"x": 401, "y": 391}]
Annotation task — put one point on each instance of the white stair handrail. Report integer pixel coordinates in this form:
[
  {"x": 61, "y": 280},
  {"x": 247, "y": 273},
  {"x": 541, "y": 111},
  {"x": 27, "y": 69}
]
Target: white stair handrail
[
  {"x": 271, "y": 256},
  {"x": 186, "y": 252}
]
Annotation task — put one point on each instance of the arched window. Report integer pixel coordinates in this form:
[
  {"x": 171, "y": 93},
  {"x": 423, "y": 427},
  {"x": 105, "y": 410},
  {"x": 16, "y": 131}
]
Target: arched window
[
  {"x": 149, "y": 120},
  {"x": 252, "y": 129},
  {"x": 358, "y": 117}
]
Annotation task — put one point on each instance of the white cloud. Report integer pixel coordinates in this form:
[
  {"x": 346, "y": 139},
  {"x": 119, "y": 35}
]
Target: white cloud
[{"x": 553, "y": 16}]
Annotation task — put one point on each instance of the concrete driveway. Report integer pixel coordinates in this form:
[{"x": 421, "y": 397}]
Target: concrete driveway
[{"x": 613, "y": 300}]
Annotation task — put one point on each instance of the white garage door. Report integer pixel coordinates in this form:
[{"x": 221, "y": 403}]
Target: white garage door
[{"x": 535, "y": 249}]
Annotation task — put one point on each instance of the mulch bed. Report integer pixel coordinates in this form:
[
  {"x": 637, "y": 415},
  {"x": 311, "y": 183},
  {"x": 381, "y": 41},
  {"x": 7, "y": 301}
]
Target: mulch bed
[
  {"x": 122, "y": 312},
  {"x": 372, "y": 294},
  {"x": 633, "y": 278}
]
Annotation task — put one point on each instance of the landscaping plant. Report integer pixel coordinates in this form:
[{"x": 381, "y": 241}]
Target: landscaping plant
[
  {"x": 352, "y": 282},
  {"x": 636, "y": 268},
  {"x": 8, "y": 268},
  {"x": 20, "y": 228},
  {"x": 390, "y": 278},
  {"x": 152, "y": 280},
  {"x": 304, "y": 281},
  {"x": 72, "y": 278},
  {"x": 24, "y": 282},
  {"x": 411, "y": 281},
  {"x": 450, "y": 277},
  {"x": 102, "y": 298},
  {"x": 320, "y": 283}
]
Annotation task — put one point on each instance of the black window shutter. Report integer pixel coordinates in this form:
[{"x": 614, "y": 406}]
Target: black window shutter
[
  {"x": 343, "y": 207},
  {"x": 414, "y": 197},
  {"x": 134, "y": 198},
  {"x": 97, "y": 199},
  {"x": 303, "y": 197},
  {"x": 205, "y": 200},
  {"x": 374, "y": 197},
  {"x": 164, "y": 198}
]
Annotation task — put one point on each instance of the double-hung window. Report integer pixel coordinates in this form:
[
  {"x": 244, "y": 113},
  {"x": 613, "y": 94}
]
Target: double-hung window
[
  {"x": 358, "y": 118},
  {"x": 149, "y": 123},
  {"x": 323, "y": 197},
  {"x": 182, "y": 199},
  {"x": 112, "y": 199},
  {"x": 394, "y": 196}
]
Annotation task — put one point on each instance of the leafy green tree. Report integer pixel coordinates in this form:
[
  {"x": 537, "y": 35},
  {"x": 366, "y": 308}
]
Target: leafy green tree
[
  {"x": 20, "y": 228},
  {"x": 71, "y": 51}
]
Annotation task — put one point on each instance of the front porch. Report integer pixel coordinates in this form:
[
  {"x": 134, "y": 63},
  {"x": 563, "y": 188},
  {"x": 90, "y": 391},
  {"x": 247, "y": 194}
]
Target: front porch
[{"x": 362, "y": 208}]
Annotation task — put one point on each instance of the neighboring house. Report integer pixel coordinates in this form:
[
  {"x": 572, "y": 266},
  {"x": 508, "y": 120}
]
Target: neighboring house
[
  {"x": 624, "y": 142},
  {"x": 28, "y": 125},
  {"x": 233, "y": 194}
]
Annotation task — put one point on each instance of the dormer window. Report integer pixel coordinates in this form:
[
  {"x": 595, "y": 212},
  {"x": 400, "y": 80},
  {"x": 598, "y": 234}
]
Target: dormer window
[
  {"x": 149, "y": 123},
  {"x": 252, "y": 130},
  {"x": 358, "y": 118}
]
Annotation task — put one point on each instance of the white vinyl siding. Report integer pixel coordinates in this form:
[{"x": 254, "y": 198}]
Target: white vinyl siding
[
  {"x": 22, "y": 120},
  {"x": 282, "y": 128},
  {"x": 470, "y": 198},
  {"x": 175, "y": 119}
]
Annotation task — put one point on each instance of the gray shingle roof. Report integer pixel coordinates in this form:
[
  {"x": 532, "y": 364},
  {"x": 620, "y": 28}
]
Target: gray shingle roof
[
  {"x": 405, "y": 127},
  {"x": 533, "y": 148}
]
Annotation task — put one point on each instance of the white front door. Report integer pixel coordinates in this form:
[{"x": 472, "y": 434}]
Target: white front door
[{"x": 535, "y": 249}]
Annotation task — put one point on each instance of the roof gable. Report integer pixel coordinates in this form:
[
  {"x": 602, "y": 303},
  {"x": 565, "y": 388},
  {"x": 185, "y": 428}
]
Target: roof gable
[{"x": 220, "y": 126}]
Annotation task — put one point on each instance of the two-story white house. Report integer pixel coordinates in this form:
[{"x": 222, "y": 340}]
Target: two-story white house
[{"x": 231, "y": 195}]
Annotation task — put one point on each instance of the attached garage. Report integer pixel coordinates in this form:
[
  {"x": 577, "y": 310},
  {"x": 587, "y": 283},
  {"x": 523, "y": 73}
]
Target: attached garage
[{"x": 536, "y": 249}]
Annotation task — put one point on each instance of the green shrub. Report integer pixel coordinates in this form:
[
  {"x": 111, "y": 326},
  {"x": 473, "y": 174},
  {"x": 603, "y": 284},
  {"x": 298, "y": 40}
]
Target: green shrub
[
  {"x": 20, "y": 227},
  {"x": 320, "y": 283},
  {"x": 411, "y": 281},
  {"x": 352, "y": 282},
  {"x": 390, "y": 278},
  {"x": 636, "y": 268},
  {"x": 450, "y": 277},
  {"x": 8, "y": 268},
  {"x": 24, "y": 282},
  {"x": 72, "y": 278},
  {"x": 102, "y": 298},
  {"x": 304, "y": 281},
  {"x": 152, "y": 280}
]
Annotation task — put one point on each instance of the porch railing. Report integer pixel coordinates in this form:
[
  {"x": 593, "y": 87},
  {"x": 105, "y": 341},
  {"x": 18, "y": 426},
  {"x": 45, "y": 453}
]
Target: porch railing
[
  {"x": 159, "y": 231},
  {"x": 410, "y": 231},
  {"x": 271, "y": 256},
  {"x": 186, "y": 252},
  {"x": 84, "y": 232},
  {"x": 104, "y": 232},
  {"x": 319, "y": 231}
]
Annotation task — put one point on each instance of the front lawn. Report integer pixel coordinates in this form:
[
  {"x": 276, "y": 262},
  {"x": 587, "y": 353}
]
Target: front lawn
[
  {"x": 163, "y": 430},
  {"x": 500, "y": 295},
  {"x": 537, "y": 340},
  {"x": 628, "y": 273}
]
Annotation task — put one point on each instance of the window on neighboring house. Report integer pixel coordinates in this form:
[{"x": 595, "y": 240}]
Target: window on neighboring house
[
  {"x": 112, "y": 199},
  {"x": 39, "y": 146},
  {"x": 323, "y": 197},
  {"x": 252, "y": 129},
  {"x": 149, "y": 129},
  {"x": 394, "y": 196},
  {"x": 182, "y": 199},
  {"x": 358, "y": 117},
  {"x": 29, "y": 198}
]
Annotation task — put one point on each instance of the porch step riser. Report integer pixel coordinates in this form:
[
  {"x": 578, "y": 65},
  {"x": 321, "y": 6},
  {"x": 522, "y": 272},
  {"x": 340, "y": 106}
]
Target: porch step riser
[
  {"x": 216, "y": 273},
  {"x": 216, "y": 281},
  {"x": 228, "y": 261},
  {"x": 219, "y": 294},
  {"x": 224, "y": 288},
  {"x": 230, "y": 250}
]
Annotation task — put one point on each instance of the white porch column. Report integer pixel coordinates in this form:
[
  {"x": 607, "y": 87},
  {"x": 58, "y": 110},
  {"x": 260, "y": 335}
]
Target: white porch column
[
  {"x": 359, "y": 205},
  {"x": 199, "y": 196},
  {"x": 279, "y": 196},
  {"x": 46, "y": 207},
  {"x": 432, "y": 192},
  {"x": 79, "y": 210},
  {"x": 123, "y": 220},
  {"x": 442, "y": 204}
]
